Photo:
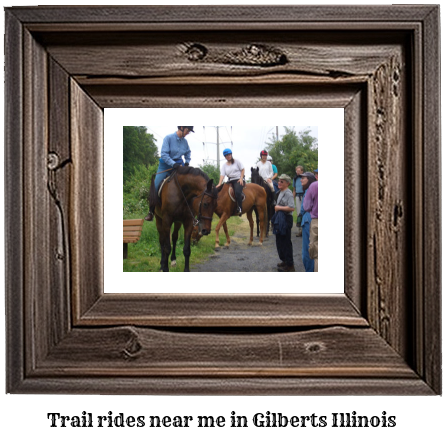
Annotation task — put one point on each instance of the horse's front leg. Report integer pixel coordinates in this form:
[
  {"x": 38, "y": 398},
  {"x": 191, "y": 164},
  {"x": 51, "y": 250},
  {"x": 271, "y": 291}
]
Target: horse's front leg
[
  {"x": 159, "y": 224},
  {"x": 187, "y": 246},
  {"x": 165, "y": 243},
  {"x": 177, "y": 226},
  {"x": 223, "y": 219},
  {"x": 228, "y": 239},
  {"x": 166, "y": 250}
]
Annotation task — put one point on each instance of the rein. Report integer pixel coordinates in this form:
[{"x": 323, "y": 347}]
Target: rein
[
  {"x": 195, "y": 221},
  {"x": 163, "y": 171}
]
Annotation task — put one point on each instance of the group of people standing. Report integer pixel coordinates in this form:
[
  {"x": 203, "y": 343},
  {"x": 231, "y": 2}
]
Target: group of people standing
[
  {"x": 305, "y": 193},
  {"x": 303, "y": 198}
]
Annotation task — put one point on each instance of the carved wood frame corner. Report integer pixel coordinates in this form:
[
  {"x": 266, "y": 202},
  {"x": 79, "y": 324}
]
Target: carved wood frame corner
[{"x": 64, "y": 335}]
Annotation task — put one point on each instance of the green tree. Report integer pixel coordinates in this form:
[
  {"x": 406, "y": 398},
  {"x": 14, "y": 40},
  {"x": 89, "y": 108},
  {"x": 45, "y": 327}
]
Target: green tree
[
  {"x": 139, "y": 149},
  {"x": 293, "y": 150},
  {"x": 212, "y": 171},
  {"x": 136, "y": 191}
]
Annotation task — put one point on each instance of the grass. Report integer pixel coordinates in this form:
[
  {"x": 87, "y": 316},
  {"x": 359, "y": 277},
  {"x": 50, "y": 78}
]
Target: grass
[{"x": 145, "y": 255}]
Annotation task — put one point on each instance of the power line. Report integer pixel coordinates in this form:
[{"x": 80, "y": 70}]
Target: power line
[{"x": 218, "y": 143}]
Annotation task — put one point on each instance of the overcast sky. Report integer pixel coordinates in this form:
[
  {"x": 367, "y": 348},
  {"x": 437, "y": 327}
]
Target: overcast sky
[{"x": 246, "y": 142}]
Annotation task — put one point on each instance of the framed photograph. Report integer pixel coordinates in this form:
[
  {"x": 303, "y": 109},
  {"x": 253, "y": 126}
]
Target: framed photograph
[
  {"x": 319, "y": 133},
  {"x": 65, "y": 65}
]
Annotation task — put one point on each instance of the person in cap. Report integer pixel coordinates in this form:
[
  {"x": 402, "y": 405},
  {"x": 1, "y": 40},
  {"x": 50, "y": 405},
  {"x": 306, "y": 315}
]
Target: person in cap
[
  {"x": 174, "y": 148},
  {"x": 282, "y": 222},
  {"x": 316, "y": 174},
  {"x": 310, "y": 204},
  {"x": 297, "y": 192},
  {"x": 235, "y": 172},
  {"x": 307, "y": 179},
  {"x": 265, "y": 169},
  {"x": 274, "y": 178}
]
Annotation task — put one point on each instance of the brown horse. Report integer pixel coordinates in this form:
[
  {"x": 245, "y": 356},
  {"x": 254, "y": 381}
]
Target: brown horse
[
  {"x": 255, "y": 199},
  {"x": 188, "y": 193}
]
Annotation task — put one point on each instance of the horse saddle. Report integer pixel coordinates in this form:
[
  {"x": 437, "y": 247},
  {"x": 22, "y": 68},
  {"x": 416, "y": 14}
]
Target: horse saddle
[
  {"x": 232, "y": 194},
  {"x": 167, "y": 179}
]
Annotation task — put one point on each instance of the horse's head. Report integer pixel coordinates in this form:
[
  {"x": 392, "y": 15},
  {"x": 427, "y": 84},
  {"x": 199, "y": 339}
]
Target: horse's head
[
  {"x": 255, "y": 176},
  {"x": 206, "y": 209}
]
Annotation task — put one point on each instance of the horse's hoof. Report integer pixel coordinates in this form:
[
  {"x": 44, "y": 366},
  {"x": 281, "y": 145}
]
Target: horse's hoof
[
  {"x": 250, "y": 243},
  {"x": 174, "y": 263},
  {"x": 227, "y": 245},
  {"x": 217, "y": 248},
  {"x": 260, "y": 244}
]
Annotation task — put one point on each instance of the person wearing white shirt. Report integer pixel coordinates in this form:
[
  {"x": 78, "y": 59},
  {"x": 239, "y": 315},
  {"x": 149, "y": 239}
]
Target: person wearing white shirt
[
  {"x": 235, "y": 171},
  {"x": 265, "y": 169}
]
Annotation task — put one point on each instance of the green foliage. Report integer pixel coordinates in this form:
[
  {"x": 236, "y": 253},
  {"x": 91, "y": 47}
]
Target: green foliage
[
  {"x": 212, "y": 171},
  {"x": 136, "y": 191},
  {"x": 293, "y": 150},
  {"x": 145, "y": 255},
  {"x": 139, "y": 149}
]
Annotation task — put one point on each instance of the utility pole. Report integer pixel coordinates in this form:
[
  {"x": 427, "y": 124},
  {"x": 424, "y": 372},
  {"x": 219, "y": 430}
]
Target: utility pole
[
  {"x": 276, "y": 129},
  {"x": 218, "y": 143}
]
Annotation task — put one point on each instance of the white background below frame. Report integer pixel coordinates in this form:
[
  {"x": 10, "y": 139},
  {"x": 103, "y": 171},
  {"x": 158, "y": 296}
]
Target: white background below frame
[
  {"x": 422, "y": 417},
  {"x": 330, "y": 279}
]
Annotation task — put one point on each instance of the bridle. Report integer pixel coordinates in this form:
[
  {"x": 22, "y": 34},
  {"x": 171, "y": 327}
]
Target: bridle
[{"x": 199, "y": 216}]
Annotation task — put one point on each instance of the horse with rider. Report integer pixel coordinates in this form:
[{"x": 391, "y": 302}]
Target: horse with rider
[
  {"x": 235, "y": 198},
  {"x": 263, "y": 175},
  {"x": 178, "y": 194}
]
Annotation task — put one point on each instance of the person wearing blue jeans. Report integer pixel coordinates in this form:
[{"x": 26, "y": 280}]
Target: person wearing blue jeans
[
  {"x": 307, "y": 179},
  {"x": 174, "y": 147}
]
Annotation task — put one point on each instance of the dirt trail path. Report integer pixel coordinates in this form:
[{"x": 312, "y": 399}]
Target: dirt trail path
[{"x": 240, "y": 257}]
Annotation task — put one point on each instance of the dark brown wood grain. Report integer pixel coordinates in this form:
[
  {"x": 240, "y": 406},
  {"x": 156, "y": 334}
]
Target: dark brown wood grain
[
  {"x": 59, "y": 169},
  {"x": 36, "y": 204},
  {"x": 14, "y": 238},
  {"x": 86, "y": 200},
  {"x": 226, "y": 15},
  {"x": 139, "y": 57},
  {"x": 65, "y": 64},
  {"x": 129, "y": 351},
  {"x": 234, "y": 310},
  {"x": 355, "y": 177},
  {"x": 430, "y": 319},
  {"x": 388, "y": 260}
]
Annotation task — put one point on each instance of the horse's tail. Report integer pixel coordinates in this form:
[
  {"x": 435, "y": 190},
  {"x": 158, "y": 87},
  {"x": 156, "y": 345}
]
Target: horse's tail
[{"x": 153, "y": 199}]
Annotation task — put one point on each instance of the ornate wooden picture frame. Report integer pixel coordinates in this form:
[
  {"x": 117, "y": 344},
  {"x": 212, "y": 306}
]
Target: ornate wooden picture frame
[{"x": 65, "y": 64}]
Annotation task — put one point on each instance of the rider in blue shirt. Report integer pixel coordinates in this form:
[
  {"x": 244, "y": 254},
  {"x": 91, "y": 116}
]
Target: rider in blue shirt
[{"x": 173, "y": 149}]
